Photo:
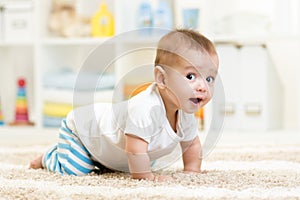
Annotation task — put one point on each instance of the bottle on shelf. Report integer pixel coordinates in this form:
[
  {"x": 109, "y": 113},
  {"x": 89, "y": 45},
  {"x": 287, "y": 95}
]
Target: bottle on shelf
[
  {"x": 162, "y": 17},
  {"x": 102, "y": 23},
  {"x": 145, "y": 17},
  {"x": 21, "y": 109},
  {"x": 190, "y": 18}
]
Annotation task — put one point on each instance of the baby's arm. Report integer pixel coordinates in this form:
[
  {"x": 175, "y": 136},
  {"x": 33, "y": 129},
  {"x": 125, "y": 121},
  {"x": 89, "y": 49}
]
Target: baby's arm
[
  {"x": 192, "y": 155},
  {"x": 138, "y": 159}
]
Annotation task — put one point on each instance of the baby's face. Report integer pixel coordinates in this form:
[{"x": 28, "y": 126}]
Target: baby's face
[{"x": 190, "y": 80}]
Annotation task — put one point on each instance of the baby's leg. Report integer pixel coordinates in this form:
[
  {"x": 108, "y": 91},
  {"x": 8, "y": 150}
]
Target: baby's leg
[
  {"x": 36, "y": 163},
  {"x": 68, "y": 156}
]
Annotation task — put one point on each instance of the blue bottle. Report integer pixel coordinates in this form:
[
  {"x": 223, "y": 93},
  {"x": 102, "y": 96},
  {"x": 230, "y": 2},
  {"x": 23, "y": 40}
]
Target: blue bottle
[
  {"x": 163, "y": 15},
  {"x": 145, "y": 17}
]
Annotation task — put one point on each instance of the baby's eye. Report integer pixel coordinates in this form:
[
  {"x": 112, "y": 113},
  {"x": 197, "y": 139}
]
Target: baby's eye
[
  {"x": 210, "y": 79},
  {"x": 191, "y": 76}
]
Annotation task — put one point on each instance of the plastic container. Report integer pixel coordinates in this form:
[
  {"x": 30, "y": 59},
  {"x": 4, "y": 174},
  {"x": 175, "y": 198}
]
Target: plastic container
[
  {"x": 145, "y": 17},
  {"x": 102, "y": 22},
  {"x": 190, "y": 17},
  {"x": 163, "y": 15}
]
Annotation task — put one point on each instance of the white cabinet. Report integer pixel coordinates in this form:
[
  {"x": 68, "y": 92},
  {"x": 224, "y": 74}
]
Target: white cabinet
[
  {"x": 43, "y": 53},
  {"x": 230, "y": 73},
  {"x": 253, "y": 91}
]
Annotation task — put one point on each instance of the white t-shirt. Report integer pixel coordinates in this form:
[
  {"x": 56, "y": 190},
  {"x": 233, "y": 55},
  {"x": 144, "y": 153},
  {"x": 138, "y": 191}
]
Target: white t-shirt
[{"x": 101, "y": 128}]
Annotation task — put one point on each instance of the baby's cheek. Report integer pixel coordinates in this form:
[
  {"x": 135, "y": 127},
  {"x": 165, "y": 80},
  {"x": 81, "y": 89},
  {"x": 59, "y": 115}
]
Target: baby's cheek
[
  {"x": 210, "y": 92},
  {"x": 182, "y": 85},
  {"x": 186, "y": 89}
]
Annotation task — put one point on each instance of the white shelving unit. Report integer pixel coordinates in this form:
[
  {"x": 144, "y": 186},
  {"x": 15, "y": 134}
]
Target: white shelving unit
[{"x": 45, "y": 53}]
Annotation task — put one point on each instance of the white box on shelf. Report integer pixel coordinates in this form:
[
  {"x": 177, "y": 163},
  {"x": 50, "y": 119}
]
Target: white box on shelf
[
  {"x": 18, "y": 21},
  {"x": 252, "y": 88},
  {"x": 230, "y": 71}
]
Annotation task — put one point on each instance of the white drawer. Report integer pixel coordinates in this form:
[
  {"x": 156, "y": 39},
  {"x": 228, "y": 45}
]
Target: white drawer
[
  {"x": 18, "y": 21},
  {"x": 252, "y": 88}
]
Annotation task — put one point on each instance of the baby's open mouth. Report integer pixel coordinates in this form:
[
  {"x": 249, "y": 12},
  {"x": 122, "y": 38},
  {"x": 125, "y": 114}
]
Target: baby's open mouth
[{"x": 195, "y": 100}]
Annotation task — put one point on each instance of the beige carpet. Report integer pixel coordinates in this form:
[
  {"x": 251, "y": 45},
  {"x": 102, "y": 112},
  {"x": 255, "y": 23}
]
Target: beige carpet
[{"x": 242, "y": 166}]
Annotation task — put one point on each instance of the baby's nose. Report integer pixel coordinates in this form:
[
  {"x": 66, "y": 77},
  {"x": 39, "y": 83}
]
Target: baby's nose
[{"x": 201, "y": 85}]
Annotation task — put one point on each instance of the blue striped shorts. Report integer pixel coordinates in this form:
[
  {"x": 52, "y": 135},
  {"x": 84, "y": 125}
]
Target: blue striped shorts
[{"x": 69, "y": 156}]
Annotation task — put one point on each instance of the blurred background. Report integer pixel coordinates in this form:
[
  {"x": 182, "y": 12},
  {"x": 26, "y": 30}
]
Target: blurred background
[{"x": 44, "y": 44}]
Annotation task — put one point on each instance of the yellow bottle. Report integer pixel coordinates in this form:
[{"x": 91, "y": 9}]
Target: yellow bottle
[{"x": 102, "y": 22}]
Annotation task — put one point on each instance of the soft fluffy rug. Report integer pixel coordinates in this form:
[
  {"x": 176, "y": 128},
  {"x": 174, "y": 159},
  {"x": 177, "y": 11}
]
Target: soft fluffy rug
[{"x": 240, "y": 167}]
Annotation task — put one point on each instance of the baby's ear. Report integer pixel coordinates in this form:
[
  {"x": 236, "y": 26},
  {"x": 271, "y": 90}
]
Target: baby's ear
[{"x": 160, "y": 77}]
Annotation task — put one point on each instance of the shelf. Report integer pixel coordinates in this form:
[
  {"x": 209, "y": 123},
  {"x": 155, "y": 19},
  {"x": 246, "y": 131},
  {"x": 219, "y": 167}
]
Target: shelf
[
  {"x": 96, "y": 41},
  {"x": 250, "y": 40},
  {"x": 239, "y": 40},
  {"x": 7, "y": 128},
  {"x": 4, "y": 43},
  {"x": 67, "y": 96},
  {"x": 140, "y": 38},
  {"x": 74, "y": 41},
  {"x": 152, "y": 39}
]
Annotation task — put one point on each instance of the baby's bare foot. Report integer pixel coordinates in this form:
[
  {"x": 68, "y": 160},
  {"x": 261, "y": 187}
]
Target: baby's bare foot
[{"x": 36, "y": 163}]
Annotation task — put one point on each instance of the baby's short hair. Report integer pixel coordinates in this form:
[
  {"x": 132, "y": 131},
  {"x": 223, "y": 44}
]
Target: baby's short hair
[{"x": 173, "y": 43}]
